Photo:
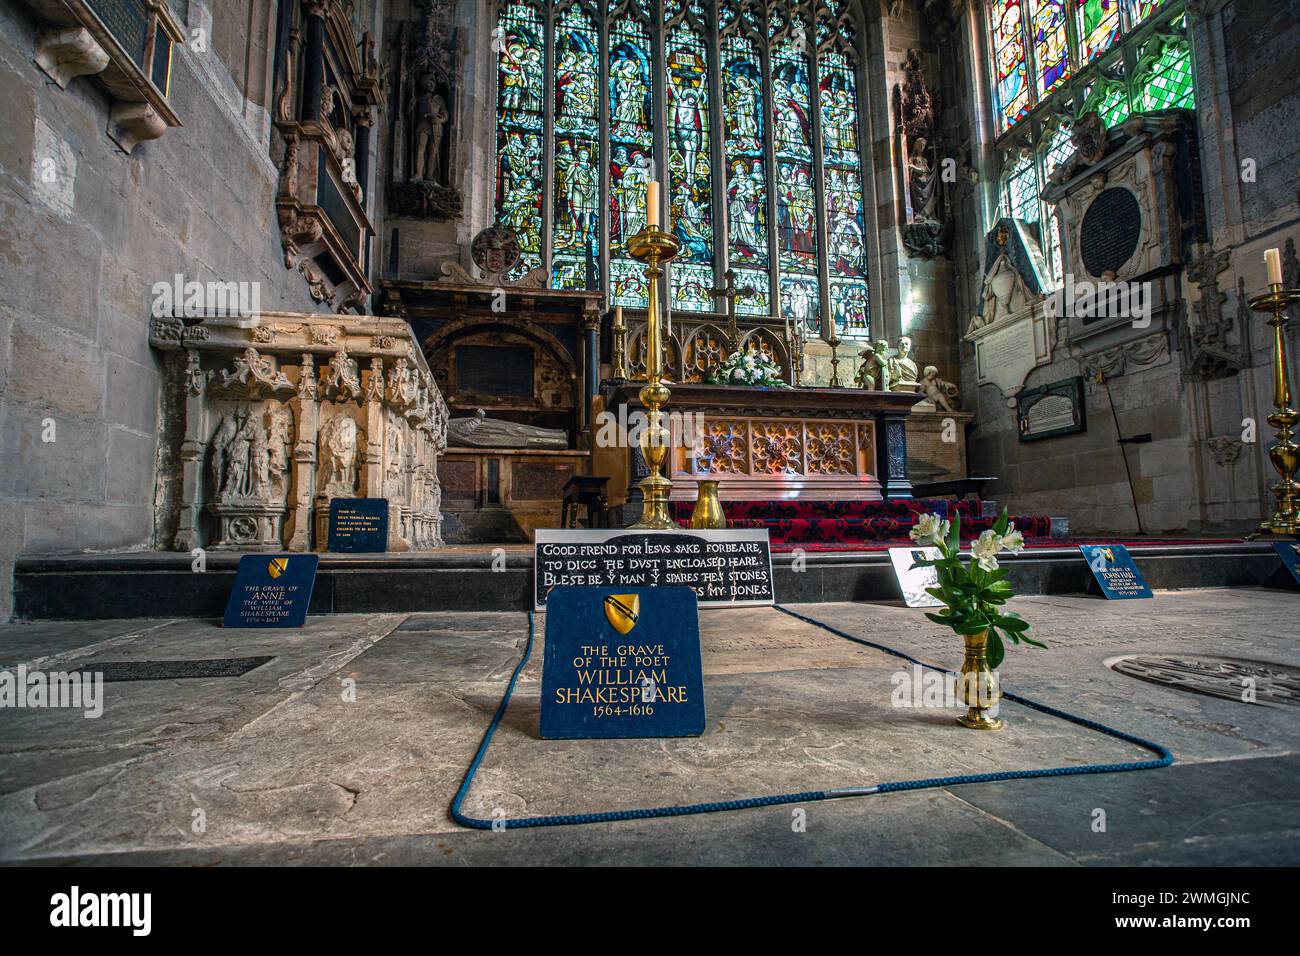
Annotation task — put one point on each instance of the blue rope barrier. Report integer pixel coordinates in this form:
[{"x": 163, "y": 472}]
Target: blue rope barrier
[{"x": 810, "y": 796}]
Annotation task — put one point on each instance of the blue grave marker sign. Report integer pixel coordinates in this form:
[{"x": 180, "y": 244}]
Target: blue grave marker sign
[
  {"x": 272, "y": 590},
  {"x": 1116, "y": 574},
  {"x": 1289, "y": 552},
  {"x": 622, "y": 662},
  {"x": 358, "y": 525}
]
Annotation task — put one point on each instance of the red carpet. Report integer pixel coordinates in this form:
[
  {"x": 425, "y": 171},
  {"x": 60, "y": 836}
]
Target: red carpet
[
  {"x": 848, "y": 526},
  {"x": 856, "y": 525},
  {"x": 1030, "y": 543}
]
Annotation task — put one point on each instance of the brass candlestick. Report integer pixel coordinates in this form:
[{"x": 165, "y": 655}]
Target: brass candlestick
[
  {"x": 794, "y": 343},
  {"x": 618, "y": 347},
  {"x": 653, "y": 246},
  {"x": 1283, "y": 452},
  {"x": 834, "y": 343}
]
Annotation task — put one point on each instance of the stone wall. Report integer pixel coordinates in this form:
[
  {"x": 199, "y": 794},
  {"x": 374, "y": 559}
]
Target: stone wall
[{"x": 85, "y": 232}]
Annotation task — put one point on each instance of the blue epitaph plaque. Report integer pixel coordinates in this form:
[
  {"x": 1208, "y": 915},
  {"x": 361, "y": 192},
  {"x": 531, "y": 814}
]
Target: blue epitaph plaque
[
  {"x": 1289, "y": 552},
  {"x": 1115, "y": 571},
  {"x": 359, "y": 525},
  {"x": 272, "y": 590},
  {"x": 622, "y": 663}
]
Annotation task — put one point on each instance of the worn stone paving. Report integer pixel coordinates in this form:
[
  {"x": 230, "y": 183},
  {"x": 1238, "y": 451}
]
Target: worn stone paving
[{"x": 280, "y": 765}]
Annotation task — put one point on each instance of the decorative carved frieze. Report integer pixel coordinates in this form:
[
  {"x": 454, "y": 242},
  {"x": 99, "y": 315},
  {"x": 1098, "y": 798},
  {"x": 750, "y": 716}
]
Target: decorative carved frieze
[{"x": 284, "y": 416}]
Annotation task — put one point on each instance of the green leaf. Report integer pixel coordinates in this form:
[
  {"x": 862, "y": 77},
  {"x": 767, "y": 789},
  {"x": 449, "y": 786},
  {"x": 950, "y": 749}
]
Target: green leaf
[
  {"x": 1012, "y": 623},
  {"x": 939, "y": 619},
  {"x": 954, "y": 533},
  {"x": 1030, "y": 640},
  {"x": 996, "y": 650},
  {"x": 972, "y": 626},
  {"x": 1000, "y": 526}
]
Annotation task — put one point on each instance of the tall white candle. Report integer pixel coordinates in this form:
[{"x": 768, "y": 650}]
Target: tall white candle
[
  {"x": 652, "y": 203},
  {"x": 1273, "y": 259}
]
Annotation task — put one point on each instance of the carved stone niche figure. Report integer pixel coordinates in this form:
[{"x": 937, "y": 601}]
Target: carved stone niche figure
[
  {"x": 920, "y": 173},
  {"x": 240, "y": 458},
  {"x": 430, "y": 118},
  {"x": 945, "y": 395},
  {"x": 339, "y": 440},
  {"x": 483, "y": 432},
  {"x": 903, "y": 372}
]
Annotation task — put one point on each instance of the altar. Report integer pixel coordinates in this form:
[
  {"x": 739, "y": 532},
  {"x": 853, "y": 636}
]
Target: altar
[{"x": 804, "y": 444}]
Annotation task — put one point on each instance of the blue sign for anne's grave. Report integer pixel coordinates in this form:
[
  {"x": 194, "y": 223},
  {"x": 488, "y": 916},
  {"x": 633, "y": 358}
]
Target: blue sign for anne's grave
[
  {"x": 1115, "y": 571},
  {"x": 623, "y": 664},
  {"x": 272, "y": 590}
]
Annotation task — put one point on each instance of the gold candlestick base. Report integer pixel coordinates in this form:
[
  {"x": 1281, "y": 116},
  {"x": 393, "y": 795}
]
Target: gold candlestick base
[
  {"x": 653, "y": 246},
  {"x": 1283, "y": 452}
]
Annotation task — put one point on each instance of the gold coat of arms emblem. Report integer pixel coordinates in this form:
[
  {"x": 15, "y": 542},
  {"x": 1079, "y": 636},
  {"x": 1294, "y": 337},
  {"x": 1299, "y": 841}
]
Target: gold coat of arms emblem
[{"x": 621, "y": 610}]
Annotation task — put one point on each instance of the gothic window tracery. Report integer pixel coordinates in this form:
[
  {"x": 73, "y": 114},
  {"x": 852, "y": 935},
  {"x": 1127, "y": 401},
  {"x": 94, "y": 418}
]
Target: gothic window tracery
[{"x": 747, "y": 111}]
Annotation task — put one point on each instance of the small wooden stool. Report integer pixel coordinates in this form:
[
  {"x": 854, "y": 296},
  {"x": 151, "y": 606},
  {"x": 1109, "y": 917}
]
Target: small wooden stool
[{"x": 588, "y": 490}]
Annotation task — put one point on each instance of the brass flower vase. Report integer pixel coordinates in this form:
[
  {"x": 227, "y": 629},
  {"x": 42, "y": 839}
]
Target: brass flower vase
[
  {"x": 708, "y": 511},
  {"x": 978, "y": 686}
]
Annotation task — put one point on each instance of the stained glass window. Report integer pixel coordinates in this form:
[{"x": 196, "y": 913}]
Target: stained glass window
[
  {"x": 1109, "y": 57},
  {"x": 744, "y": 130},
  {"x": 1010, "y": 89},
  {"x": 575, "y": 241},
  {"x": 690, "y": 174},
  {"x": 1098, "y": 27},
  {"x": 746, "y": 112},
  {"x": 795, "y": 192},
  {"x": 1022, "y": 191},
  {"x": 845, "y": 224},
  {"x": 1051, "y": 53},
  {"x": 1144, "y": 8},
  {"x": 1166, "y": 81},
  {"x": 520, "y": 85},
  {"x": 631, "y": 151}
]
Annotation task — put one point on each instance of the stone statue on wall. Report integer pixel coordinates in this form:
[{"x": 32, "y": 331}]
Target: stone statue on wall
[
  {"x": 945, "y": 395},
  {"x": 430, "y": 118},
  {"x": 339, "y": 439},
  {"x": 873, "y": 373},
  {"x": 903, "y": 372},
  {"x": 240, "y": 460},
  {"x": 923, "y": 215},
  {"x": 424, "y": 117},
  {"x": 483, "y": 432}
]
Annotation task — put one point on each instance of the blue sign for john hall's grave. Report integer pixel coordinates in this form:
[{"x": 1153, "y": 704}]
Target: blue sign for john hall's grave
[
  {"x": 358, "y": 525},
  {"x": 622, "y": 664},
  {"x": 1115, "y": 571},
  {"x": 272, "y": 590}
]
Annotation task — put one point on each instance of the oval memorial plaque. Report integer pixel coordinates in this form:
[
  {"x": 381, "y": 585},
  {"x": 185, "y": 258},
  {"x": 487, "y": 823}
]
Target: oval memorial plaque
[{"x": 1110, "y": 232}]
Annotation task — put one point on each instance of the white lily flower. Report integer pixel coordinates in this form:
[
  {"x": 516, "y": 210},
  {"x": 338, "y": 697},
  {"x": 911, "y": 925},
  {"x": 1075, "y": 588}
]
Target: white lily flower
[
  {"x": 1013, "y": 540},
  {"x": 929, "y": 527},
  {"x": 985, "y": 550}
]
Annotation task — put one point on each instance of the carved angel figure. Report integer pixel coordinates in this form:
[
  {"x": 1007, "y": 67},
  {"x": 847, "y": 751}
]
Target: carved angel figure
[{"x": 943, "y": 394}]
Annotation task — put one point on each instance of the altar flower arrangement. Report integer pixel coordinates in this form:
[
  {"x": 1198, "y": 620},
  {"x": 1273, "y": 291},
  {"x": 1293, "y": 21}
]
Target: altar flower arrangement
[
  {"x": 974, "y": 594},
  {"x": 750, "y": 367}
]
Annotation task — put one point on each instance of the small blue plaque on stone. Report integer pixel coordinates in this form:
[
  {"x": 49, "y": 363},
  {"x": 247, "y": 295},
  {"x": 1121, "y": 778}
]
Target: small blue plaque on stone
[
  {"x": 1117, "y": 575},
  {"x": 1289, "y": 552},
  {"x": 622, "y": 663},
  {"x": 359, "y": 525},
  {"x": 272, "y": 590}
]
